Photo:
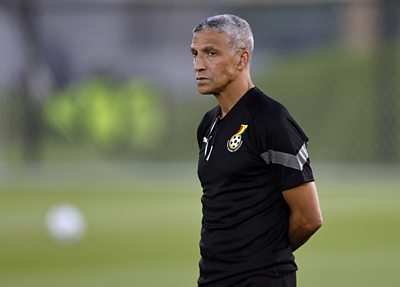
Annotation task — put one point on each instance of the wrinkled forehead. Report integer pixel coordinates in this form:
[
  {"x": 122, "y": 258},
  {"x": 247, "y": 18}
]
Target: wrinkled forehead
[{"x": 210, "y": 37}]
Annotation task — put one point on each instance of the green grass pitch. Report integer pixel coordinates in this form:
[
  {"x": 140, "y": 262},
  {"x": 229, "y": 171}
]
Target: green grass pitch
[{"x": 146, "y": 234}]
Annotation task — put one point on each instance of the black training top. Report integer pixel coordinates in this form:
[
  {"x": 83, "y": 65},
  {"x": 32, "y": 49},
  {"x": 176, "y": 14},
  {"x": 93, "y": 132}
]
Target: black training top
[{"x": 246, "y": 160}]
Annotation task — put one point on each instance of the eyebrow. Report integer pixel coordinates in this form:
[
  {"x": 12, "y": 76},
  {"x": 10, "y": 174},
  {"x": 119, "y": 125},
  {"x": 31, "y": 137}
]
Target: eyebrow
[
  {"x": 208, "y": 47},
  {"x": 204, "y": 49}
]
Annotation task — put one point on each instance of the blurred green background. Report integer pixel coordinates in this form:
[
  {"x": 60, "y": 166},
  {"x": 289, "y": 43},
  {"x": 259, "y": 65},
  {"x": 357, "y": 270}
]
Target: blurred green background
[
  {"x": 144, "y": 232},
  {"x": 99, "y": 110}
]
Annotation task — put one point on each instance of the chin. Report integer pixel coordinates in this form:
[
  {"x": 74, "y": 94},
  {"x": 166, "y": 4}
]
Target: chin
[{"x": 205, "y": 91}]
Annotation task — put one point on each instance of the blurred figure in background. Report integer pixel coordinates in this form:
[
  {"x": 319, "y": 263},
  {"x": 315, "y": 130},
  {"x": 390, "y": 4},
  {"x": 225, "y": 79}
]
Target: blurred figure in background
[{"x": 260, "y": 201}]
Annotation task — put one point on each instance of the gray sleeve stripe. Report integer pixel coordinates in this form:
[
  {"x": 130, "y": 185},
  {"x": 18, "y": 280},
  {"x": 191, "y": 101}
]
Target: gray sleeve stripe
[{"x": 286, "y": 159}]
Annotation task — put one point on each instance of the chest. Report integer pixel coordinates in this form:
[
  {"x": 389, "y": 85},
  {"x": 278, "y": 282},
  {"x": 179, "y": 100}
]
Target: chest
[{"x": 228, "y": 153}]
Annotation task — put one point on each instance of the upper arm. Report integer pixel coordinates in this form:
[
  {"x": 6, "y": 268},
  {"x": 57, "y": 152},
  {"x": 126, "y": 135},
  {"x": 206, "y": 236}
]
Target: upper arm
[
  {"x": 283, "y": 145},
  {"x": 303, "y": 202}
]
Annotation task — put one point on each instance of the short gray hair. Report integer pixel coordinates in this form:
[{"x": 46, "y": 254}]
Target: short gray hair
[{"x": 237, "y": 29}]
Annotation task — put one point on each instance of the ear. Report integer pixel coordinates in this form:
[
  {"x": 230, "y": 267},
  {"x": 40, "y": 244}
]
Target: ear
[{"x": 243, "y": 60}]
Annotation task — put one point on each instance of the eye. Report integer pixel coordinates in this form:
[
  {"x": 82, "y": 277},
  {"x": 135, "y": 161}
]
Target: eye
[
  {"x": 194, "y": 53},
  {"x": 211, "y": 53}
]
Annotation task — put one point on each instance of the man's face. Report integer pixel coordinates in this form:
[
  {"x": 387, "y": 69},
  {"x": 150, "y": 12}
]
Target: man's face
[{"x": 214, "y": 61}]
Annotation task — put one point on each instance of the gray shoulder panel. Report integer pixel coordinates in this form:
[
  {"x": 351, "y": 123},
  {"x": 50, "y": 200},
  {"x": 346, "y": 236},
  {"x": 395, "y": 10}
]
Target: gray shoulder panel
[{"x": 286, "y": 159}]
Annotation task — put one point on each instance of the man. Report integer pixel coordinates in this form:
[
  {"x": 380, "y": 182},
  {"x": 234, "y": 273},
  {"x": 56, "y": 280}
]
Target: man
[{"x": 259, "y": 199}]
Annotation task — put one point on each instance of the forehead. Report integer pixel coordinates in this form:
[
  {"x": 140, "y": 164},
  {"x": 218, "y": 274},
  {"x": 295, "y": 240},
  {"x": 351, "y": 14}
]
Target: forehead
[{"x": 210, "y": 38}]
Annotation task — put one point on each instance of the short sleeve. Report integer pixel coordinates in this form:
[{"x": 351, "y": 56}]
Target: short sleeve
[{"x": 284, "y": 147}]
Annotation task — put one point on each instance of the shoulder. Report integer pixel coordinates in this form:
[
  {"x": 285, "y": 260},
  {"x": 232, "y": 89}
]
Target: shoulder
[
  {"x": 272, "y": 122},
  {"x": 265, "y": 111},
  {"x": 206, "y": 121},
  {"x": 209, "y": 117}
]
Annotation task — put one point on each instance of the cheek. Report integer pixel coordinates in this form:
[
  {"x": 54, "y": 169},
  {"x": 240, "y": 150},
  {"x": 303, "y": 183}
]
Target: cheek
[{"x": 227, "y": 71}]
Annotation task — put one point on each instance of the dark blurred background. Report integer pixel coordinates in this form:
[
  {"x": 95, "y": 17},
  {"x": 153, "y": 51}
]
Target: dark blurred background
[{"x": 110, "y": 80}]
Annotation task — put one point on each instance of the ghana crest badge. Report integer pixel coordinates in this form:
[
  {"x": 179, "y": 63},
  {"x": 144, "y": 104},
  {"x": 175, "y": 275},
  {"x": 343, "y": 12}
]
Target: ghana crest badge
[{"x": 235, "y": 142}]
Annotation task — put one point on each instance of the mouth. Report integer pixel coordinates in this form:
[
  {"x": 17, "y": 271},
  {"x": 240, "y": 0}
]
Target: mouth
[{"x": 201, "y": 79}]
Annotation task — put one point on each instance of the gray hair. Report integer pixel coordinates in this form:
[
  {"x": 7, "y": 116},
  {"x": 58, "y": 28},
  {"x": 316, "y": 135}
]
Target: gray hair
[{"x": 237, "y": 29}]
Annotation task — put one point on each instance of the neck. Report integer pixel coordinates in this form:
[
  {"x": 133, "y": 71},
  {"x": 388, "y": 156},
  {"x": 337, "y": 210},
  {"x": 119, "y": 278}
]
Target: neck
[{"x": 232, "y": 94}]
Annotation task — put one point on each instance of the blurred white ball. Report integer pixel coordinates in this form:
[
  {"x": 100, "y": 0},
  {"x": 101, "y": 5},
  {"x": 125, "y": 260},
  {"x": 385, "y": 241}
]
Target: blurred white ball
[{"x": 65, "y": 223}]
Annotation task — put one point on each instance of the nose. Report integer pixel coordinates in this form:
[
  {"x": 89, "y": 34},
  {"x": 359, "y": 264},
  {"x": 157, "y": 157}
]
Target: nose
[{"x": 198, "y": 64}]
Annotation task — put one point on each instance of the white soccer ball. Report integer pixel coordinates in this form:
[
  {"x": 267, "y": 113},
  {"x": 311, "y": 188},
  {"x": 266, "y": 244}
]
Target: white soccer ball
[
  {"x": 65, "y": 223},
  {"x": 234, "y": 142}
]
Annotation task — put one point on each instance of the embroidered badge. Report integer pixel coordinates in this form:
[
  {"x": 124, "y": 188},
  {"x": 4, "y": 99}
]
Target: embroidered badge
[{"x": 235, "y": 142}]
